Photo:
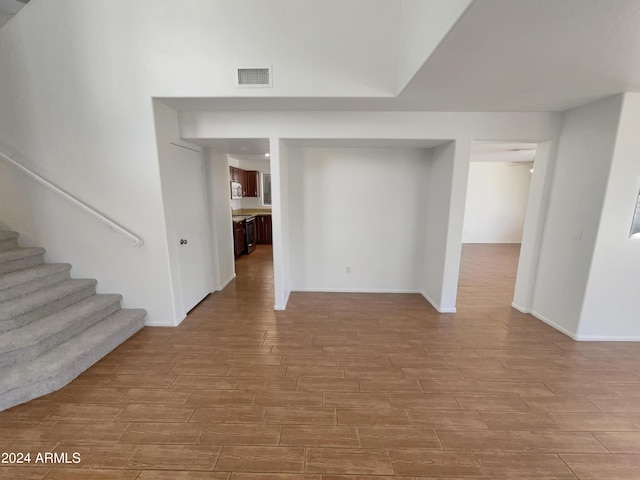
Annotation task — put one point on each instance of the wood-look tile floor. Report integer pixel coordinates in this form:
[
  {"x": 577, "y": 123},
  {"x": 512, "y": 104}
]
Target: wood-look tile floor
[{"x": 345, "y": 386}]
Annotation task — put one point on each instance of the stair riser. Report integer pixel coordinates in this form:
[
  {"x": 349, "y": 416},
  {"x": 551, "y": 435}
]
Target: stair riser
[
  {"x": 32, "y": 286},
  {"x": 8, "y": 244},
  {"x": 33, "y": 351},
  {"x": 26, "y": 262},
  {"x": 47, "y": 309},
  {"x": 29, "y": 391}
]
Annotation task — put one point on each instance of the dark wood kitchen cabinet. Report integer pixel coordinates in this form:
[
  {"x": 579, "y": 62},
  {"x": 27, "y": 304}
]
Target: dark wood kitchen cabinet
[
  {"x": 237, "y": 175},
  {"x": 252, "y": 182},
  {"x": 239, "y": 246},
  {"x": 263, "y": 224}
]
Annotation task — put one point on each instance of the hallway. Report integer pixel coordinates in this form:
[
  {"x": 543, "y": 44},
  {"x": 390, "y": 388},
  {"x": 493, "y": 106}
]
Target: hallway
[{"x": 345, "y": 387}]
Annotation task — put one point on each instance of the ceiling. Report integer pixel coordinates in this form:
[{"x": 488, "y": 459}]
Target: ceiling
[{"x": 502, "y": 55}]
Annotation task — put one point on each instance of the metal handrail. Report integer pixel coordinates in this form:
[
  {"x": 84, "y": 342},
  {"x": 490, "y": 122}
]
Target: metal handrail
[{"x": 137, "y": 241}]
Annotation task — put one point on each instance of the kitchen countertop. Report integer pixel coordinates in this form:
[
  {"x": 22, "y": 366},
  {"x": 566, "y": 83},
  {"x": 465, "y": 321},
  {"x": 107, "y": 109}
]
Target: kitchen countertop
[{"x": 253, "y": 212}]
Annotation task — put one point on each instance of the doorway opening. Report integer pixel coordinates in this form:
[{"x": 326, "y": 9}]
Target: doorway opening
[{"x": 497, "y": 195}]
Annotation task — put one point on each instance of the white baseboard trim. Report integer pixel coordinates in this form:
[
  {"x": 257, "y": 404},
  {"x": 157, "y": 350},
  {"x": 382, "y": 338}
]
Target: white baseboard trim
[
  {"x": 352, "y": 290},
  {"x": 447, "y": 310},
  {"x": 553, "y": 324},
  {"x": 286, "y": 301},
  {"x": 599, "y": 338},
  {"x": 224, "y": 285},
  {"x": 486, "y": 242},
  {"x": 436, "y": 305},
  {"x": 520, "y": 309},
  {"x": 156, "y": 324},
  {"x": 586, "y": 338}
]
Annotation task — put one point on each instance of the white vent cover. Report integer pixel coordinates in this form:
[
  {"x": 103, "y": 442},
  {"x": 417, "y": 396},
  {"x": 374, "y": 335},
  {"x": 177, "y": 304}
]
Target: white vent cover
[{"x": 254, "y": 77}]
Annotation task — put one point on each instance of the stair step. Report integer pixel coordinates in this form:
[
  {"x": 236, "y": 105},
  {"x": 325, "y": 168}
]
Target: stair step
[
  {"x": 19, "y": 258},
  {"x": 46, "y": 301},
  {"x": 21, "y": 282},
  {"x": 56, "y": 368},
  {"x": 36, "y": 338},
  {"x": 8, "y": 240}
]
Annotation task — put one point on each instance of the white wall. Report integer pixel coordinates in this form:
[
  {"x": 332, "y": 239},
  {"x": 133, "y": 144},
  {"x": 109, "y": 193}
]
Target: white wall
[
  {"x": 585, "y": 149},
  {"x": 437, "y": 216},
  {"x": 78, "y": 106},
  {"x": 356, "y": 208},
  {"x": 217, "y": 172},
  {"x": 533, "y": 228},
  {"x": 496, "y": 202},
  {"x": 166, "y": 122},
  {"x": 281, "y": 222},
  {"x": 398, "y": 127},
  {"x": 611, "y": 309}
]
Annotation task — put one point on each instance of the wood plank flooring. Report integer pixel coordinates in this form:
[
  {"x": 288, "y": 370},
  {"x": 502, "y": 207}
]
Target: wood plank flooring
[{"x": 344, "y": 387}]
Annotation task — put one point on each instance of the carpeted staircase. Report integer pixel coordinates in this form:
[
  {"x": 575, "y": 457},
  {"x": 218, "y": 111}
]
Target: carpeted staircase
[{"x": 52, "y": 327}]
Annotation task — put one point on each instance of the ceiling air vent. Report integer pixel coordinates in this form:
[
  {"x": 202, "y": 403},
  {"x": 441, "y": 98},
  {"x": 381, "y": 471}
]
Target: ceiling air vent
[{"x": 254, "y": 77}]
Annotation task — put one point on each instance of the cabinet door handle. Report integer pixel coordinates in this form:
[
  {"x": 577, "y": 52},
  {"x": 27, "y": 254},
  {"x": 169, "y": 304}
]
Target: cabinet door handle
[{"x": 183, "y": 241}]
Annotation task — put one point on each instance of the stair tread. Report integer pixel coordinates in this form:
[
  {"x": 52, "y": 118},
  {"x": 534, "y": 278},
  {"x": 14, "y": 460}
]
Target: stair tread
[
  {"x": 31, "y": 301},
  {"x": 19, "y": 253},
  {"x": 7, "y": 235},
  {"x": 52, "y": 327},
  {"x": 59, "y": 362},
  {"x": 35, "y": 332},
  {"x": 18, "y": 277}
]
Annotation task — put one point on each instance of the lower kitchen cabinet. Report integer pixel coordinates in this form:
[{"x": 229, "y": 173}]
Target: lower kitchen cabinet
[
  {"x": 238, "y": 238},
  {"x": 263, "y": 224}
]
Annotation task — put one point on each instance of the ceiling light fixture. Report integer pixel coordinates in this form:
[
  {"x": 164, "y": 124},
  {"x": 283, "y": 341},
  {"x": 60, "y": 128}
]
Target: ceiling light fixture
[{"x": 267, "y": 155}]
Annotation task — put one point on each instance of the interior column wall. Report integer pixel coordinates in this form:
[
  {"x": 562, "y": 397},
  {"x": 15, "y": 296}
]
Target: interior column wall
[
  {"x": 280, "y": 222},
  {"x": 438, "y": 204},
  {"x": 585, "y": 148},
  {"x": 612, "y": 304},
  {"x": 532, "y": 231},
  {"x": 217, "y": 171}
]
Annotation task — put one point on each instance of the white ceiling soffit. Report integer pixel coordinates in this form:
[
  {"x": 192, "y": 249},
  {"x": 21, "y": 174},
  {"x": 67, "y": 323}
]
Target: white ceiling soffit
[
  {"x": 503, "y": 55},
  {"x": 503, "y": 152},
  {"x": 363, "y": 143},
  {"x": 235, "y": 146},
  {"x": 257, "y": 147}
]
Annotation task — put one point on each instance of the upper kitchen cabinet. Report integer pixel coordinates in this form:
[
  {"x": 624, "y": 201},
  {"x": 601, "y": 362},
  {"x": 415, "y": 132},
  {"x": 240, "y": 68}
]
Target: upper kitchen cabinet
[
  {"x": 237, "y": 175},
  {"x": 252, "y": 182}
]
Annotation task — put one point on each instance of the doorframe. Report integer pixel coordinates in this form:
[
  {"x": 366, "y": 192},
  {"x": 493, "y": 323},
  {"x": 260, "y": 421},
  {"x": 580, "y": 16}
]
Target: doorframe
[
  {"x": 173, "y": 253},
  {"x": 534, "y": 220}
]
